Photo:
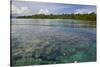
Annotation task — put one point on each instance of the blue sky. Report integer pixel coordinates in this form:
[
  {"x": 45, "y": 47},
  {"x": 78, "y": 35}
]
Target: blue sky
[{"x": 31, "y": 8}]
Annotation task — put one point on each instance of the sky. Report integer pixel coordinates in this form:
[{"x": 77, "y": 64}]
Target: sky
[{"x": 20, "y": 8}]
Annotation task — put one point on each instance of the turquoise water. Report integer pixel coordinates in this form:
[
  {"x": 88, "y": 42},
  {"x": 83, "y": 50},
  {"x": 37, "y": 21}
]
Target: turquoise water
[{"x": 51, "y": 41}]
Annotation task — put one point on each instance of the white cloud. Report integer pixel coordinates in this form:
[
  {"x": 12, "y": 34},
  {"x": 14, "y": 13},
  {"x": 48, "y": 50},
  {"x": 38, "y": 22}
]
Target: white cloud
[
  {"x": 15, "y": 9},
  {"x": 85, "y": 11},
  {"x": 43, "y": 11},
  {"x": 21, "y": 10}
]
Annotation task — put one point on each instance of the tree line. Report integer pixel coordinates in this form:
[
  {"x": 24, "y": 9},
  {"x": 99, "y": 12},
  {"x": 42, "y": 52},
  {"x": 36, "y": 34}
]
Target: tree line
[{"x": 91, "y": 17}]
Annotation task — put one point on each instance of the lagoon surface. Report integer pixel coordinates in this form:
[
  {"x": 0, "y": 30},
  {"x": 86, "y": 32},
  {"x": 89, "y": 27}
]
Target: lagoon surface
[{"x": 52, "y": 41}]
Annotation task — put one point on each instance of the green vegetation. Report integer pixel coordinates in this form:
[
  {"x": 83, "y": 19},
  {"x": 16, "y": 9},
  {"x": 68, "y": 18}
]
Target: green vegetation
[{"x": 91, "y": 17}]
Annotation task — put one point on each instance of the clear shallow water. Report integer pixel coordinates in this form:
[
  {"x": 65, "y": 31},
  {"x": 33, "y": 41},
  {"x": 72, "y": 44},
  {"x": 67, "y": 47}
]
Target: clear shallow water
[{"x": 50, "y": 41}]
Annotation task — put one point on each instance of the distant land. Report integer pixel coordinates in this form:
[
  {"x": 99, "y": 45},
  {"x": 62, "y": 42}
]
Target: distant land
[{"x": 90, "y": 17}]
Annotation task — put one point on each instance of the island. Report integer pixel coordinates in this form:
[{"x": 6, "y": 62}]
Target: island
[{"x": 90, "y": 17}]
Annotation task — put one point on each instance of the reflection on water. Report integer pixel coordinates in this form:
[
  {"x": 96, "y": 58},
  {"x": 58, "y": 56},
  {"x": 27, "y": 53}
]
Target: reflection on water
[{"x": 50, "y": 41}]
